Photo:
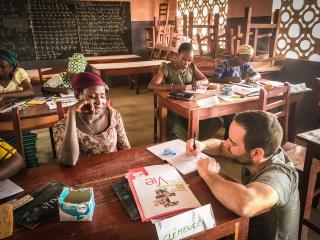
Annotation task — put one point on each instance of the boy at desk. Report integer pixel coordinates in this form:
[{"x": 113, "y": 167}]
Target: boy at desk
[
  {"x": 11, "y": 162},
  {"x": 175, "y": 76},
  {"x": 14, "y": 81},
  {"x": 237, "y": 67}
]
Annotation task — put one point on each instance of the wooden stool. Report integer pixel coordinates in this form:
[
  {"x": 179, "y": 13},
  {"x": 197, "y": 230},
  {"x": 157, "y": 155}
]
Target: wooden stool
[{"x": 309, "y": 179}]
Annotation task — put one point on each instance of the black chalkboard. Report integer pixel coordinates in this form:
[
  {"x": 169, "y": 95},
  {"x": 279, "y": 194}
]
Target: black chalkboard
[
  {"x": 51, "y": 29},
  {"x": 15, "y": 29},
  {"x": 93, "y": 28}
]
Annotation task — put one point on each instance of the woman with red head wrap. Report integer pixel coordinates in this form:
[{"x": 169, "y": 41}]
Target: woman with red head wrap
[{"x": 92, "y": 126}]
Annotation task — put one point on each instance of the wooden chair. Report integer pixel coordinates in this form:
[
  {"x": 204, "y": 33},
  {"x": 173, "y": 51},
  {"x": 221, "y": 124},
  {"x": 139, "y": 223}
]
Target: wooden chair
[
  {"x": 16, "y": 128},
  {"x": 159, "y": 22},
  {"x": 60, "y": 110},
  {"x": 278, "y": 100},
  {"x": 44, "y": 74},
  {"x": 259, "y": 32}
]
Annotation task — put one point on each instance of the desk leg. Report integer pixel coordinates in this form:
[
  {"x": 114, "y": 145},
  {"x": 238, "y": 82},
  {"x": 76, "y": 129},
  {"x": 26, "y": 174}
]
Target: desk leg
[
  {"x": 137, "y": 83},
  {"x": 241, "y": 229},
  {"x": 52, "y": 143},
  {"x": 163, "y": 114},
  {"x": 130, "y": 81},
  {"x": 304, "y": 180},
  {"x": 193, "y": 125}
]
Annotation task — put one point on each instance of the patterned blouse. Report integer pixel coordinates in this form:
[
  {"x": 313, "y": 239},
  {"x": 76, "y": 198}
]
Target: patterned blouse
[{"x": 112, "y": 139}]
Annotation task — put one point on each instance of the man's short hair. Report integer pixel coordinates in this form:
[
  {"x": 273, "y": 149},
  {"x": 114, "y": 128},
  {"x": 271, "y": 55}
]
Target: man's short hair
[
  {"x": 263, "y": 130},
  {"x": 185, "y": 47}
]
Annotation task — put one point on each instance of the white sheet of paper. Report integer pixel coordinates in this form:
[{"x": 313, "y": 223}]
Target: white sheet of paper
[
  {"x": 208, "y": 102},
  {"x": 8, "y": 188},
  {"x": 181, "y": 161},
  {"x": 200, "y": 89},
  {"x": 186, "y": 224},
  {"x": 52, "y": 105}
]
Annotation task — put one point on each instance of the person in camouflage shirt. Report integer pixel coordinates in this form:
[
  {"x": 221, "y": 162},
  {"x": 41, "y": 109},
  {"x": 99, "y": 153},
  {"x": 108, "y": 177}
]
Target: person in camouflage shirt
[{"x": 60, "y": 83}]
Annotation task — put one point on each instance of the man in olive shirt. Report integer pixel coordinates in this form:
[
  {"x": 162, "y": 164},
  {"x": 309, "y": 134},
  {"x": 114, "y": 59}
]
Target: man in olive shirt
[{"x": 270, "y": 181}]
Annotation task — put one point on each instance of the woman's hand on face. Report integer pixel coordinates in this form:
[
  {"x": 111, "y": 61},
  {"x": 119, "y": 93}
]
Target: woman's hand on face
[
  {"x": 84, "y": 106},
  {"x": 179, "y": 87}
]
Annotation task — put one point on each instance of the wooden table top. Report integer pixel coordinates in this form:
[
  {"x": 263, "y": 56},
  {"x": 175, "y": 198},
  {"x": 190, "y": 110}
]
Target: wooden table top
[
  {"x": 110, "y": 220},
  {"x": 183, "y": 108},
  {"x": 312, "y": 136},
  {"x": 113, "y": 57},
  {"x": 125, "y": 65}
]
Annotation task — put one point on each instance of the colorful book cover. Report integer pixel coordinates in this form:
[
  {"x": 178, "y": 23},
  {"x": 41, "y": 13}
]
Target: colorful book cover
[{"x": 159, "y": 191}]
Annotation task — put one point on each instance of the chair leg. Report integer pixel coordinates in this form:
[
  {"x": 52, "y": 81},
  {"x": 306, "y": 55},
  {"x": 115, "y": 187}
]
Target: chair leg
[{"x": 52, "y": 143}]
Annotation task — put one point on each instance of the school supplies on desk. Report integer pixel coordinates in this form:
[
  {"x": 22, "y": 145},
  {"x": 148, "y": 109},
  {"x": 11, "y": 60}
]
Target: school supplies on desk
[
  {"x": 246, "y": 91},
  {"x": 181, "y": 95},
  {"x": 180, "y": 160},
  {"x": 8, "y": 188},
  {"x": 159, "y": 191},
  {"x": 123, "y": 191},
  {"x": 43, "y": 206}
]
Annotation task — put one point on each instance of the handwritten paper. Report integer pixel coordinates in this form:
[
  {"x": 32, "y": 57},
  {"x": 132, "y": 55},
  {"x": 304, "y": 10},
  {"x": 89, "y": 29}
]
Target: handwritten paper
[
  {"x": 208, "y": 102},
  {"x": 8, "y": 188},
  {"x": 181, "y": 161},
  {"x": 186, "y": 224}
]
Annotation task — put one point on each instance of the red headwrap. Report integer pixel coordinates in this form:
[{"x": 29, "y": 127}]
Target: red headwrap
[{"x": 81, "y": 81}]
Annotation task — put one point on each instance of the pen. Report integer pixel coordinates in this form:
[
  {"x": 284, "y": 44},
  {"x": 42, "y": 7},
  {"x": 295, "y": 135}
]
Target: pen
[
  {"x": 236, "y": 96},
  {"x": 194, "y": 141}
]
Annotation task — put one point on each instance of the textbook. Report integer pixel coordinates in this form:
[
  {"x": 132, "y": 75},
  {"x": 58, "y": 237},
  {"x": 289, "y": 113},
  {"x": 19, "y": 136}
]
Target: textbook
[
  {"x": 159, "y": 191},
  {"x": 246, "y": 91}
]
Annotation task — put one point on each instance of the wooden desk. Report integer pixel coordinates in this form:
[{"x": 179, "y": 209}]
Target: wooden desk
[
  {"x": 110, "y": 220},
  {"x": 113, "y": 59},
  {"x": 33, "y": 117},
  {"x": 128, "y": 68},
  {"x": 312, "y": 138},
  {"x": 191, "y": 111}
]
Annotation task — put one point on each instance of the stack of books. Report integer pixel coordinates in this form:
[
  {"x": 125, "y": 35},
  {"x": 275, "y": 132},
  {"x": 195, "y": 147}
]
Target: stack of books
[
  {"x": 30, "y": 147},
  {"x": 160, "y": 192}
]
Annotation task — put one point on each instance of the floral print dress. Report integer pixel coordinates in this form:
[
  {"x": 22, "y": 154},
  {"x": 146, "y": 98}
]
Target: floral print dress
[{"x": 114, "y": 138}]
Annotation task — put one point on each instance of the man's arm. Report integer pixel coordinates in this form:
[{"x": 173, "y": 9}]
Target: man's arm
[
  {"x": 11, "y": 166},
  {"x": 213, "y": 146},
  {"x": 243, "y": 200}
]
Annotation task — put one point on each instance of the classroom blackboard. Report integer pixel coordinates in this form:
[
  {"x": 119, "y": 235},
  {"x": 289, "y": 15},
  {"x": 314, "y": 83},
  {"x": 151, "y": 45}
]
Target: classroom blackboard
[
  {"x": 15, "y": 28},
  {"x": 55, "y": 29}
]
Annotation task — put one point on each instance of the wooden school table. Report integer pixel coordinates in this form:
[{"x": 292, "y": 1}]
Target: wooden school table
[
  {"x": 113, "y": 58},
  {"x": 191, "y": 111},
  {"x": 110, "y": 220},
  {"x": 127, "y": 68}
]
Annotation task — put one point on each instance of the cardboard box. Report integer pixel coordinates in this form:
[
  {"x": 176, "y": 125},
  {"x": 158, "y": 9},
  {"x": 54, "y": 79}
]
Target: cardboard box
[{"x": 76, "y": 205}]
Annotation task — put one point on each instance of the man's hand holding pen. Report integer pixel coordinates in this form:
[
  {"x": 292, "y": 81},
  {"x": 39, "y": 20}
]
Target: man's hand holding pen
[{"x": 194, "y": 147}]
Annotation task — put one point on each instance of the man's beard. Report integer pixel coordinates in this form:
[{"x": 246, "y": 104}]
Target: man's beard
[{"x": 244, "y": 160}]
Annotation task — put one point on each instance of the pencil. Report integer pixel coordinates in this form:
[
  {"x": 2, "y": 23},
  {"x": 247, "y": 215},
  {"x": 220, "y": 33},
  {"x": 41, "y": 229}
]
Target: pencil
[{"x": 194, "y": 141}]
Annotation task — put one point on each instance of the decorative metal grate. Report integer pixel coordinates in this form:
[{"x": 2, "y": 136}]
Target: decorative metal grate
[
  {"x": 299, "y": 36},
  {"x": 201, "y": 9}
]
